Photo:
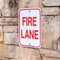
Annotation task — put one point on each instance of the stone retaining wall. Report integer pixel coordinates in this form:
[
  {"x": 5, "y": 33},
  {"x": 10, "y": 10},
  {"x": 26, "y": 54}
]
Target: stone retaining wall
[{"x": 9, "y": 48}]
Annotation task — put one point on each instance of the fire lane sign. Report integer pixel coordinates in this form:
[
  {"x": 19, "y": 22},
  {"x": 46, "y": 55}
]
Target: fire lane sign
[{"x": 29, "y": 27}]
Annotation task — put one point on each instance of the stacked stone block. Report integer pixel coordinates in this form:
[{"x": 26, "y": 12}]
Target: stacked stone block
[{"x": 9, "y": 48}]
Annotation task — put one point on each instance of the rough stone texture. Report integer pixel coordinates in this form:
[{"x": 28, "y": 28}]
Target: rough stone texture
[
  {"x": 8, "y": 21},
  {"x": 49, "y": 58},
  {"x": 55, "y": 45},
  {"x": 59, "y": 25},
  {"x": 0, "y": 13},
  {"x": 29, "y": 3},
  {"x": 50, "y": 53},
  {"x": 50, "y": 10},
  {"x": 1, "y": 35},
  {"x": 10, "y": 50},
  {"x": 51, "y": 2},
  {"x": 29, "y": 54},
  {"x": 10, "y": 8},
  {"x": 34, "y": 4},
  {"x": 59, "y": 44},
  {"x": 50, "y": 30},
  {"x": 1, "y": 58},
  {"x": 7, "y": 51},
  {"x": 11, "y": 38},
  {"x": 1, "y": 4},
  {"x": 50, "y": 23},
  {"x": 10, "y": 29},
  {"x": 17, "y": 53}
]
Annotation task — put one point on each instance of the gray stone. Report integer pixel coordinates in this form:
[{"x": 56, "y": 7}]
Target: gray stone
[
  {"x": 10, "y": 8},
  {"x": 11, "y": 38},
  {"x": 29, "y": 3},
  {"x": 8, "y": 21},
  {"x": 51, "y": 2},
  {"x": 50, "y": 30},
  {"x": 7, "y": 51},
  {"x": 50, "y": 10},
  {"x": 50, "y": 53},
  {"x": 10, "y": 29}
]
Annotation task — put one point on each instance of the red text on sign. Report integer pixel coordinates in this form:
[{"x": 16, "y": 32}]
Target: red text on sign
[
  {"x": 29, "y": 21},
  {"x": 30, "y": 34}
]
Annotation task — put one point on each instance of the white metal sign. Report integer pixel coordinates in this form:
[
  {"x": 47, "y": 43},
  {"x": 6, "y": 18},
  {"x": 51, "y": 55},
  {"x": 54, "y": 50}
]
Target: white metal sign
[{"x": 29, "y": 27}]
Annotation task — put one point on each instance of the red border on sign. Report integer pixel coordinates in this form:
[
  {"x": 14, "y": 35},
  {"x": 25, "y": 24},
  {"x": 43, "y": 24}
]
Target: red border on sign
[{"x": 39, "y": 27}]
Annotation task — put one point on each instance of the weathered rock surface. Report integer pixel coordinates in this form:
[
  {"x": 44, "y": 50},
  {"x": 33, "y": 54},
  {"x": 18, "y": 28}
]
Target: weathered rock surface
[
  {"x": 50, "y": 30},
  {"x": 51, "y": 2}
]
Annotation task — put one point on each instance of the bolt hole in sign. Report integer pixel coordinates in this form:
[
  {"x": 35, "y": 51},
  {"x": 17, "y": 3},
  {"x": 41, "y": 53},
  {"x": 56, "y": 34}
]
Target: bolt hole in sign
[{"x": 29, "y": 27}]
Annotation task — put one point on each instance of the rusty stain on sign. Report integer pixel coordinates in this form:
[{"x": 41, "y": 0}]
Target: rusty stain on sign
[{"x": 1, "y": 35}]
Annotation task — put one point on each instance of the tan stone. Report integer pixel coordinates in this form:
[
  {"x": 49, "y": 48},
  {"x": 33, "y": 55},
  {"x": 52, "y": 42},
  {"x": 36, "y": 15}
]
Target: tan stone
[
  {"x": 27, "y": 54},
  {"x": 0, "y": 13},
  {"x": 29, "y": 3},
  {"x": 8, "y": 21},
  {"x": 2, "y": 58},
  {"x": 50, "y": 10},
  {"x": 50, "y": 53},
  {"x": 7, "y": 51},
  {"x": 10, "y": 8},
  {"x": 50, "y": 30},
  {"x": 59, "y": 26},
  {"x": 6, "y": 12},
  {"x": 19, "y": 53},
  {"x": 49, "y": 58},
  {"x": 51, "y": 2},
  {"x": 1, "y": 48},
  {"x": 55, "y": 45},
  {"x": 59, "y": 44},
  {"x": 1, "y": 4},
  {"x": 1, "y": 35},
  {"x": 10, "y": 29},
  {"x": 11, "y": 38},
  {"x": 34, "y": 4}
]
